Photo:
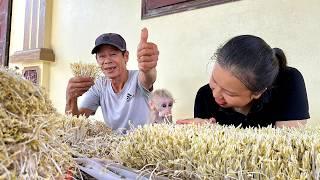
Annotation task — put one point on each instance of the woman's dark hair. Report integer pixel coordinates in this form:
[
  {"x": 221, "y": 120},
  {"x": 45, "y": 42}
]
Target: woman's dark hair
[{"x": 252, "y": 61}]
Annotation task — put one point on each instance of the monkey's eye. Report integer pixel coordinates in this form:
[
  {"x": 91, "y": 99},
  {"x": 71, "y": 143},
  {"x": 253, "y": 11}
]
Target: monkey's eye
[
  {"x": 170, "y": 104},
  {"x": 163, "y": 105}
]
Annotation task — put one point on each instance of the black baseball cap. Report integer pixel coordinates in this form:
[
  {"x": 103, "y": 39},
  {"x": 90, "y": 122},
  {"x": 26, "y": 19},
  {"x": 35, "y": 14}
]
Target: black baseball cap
[{"x": 112, "y": 39}]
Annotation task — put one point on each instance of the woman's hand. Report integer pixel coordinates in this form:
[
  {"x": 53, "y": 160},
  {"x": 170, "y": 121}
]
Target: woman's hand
[{"x": 196, "y": 121}]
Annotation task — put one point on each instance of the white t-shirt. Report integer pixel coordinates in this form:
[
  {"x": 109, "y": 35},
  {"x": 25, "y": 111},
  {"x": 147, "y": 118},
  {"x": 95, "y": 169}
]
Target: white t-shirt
[{"x": 131, "y": 104}]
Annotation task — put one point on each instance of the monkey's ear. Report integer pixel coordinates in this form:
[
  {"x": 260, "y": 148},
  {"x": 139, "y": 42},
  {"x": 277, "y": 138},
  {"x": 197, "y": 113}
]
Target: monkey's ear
[{"x": 151, "y": 105}]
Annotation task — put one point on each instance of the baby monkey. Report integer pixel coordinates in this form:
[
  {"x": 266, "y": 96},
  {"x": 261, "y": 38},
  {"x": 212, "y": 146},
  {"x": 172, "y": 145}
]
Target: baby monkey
[{"x": 161, "y": 102}]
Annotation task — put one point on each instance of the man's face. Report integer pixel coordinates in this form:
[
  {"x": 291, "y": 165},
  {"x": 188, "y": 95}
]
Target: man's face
[{"x": 112, "y": 61}]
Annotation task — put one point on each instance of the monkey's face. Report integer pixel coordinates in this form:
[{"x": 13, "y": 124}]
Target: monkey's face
[{"x": 164, "y": 107}]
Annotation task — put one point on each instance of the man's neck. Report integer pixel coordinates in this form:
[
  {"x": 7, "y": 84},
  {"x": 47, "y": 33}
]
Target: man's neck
[{"x": 118, "y": 83}]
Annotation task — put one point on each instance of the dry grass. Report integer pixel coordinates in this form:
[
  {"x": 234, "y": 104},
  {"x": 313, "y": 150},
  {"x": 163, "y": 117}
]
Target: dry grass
[
  {"x": 29, "y": 144},
  {"x": 88, "y": 138},
  {"x": 85, "y": 69},
  {"x": 20, "y": 97},
  {"x": 216, "y": 152},
  {"x": 38, "y": 143}
]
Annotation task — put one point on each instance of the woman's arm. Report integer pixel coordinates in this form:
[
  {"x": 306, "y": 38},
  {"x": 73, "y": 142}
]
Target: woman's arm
[
  {"x": 291, "y": 123},
  {"x": 196, "y": 121},
  {"x": 292, "y": 107}
]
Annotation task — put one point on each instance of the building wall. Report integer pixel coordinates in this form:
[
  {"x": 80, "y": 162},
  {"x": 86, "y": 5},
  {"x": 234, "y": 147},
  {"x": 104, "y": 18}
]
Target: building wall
[{"x": 186, "y": 40}]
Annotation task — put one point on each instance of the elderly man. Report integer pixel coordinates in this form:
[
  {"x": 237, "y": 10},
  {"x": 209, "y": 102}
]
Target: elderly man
[{"x": 121, "y": 93}]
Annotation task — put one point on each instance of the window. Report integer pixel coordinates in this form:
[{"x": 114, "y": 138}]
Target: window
[{"x": 155, "y": 8}]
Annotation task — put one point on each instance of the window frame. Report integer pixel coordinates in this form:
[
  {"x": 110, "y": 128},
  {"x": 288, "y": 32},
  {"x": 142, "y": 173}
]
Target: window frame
[
  {"x": 4, "y": 61},
  {"x": 147, "y": 12}
]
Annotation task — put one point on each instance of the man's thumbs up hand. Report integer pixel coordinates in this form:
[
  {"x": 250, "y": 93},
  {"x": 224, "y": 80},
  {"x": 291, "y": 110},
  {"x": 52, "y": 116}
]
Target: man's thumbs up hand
[
  {"x": 144, "y": 36},
  {"x": 147, "y": 53}
]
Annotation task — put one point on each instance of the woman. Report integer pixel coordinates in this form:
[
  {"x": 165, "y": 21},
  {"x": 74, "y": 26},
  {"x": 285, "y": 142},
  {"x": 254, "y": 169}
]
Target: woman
[{"x": 252, "y": 86}]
